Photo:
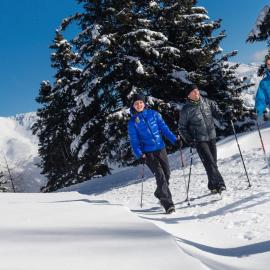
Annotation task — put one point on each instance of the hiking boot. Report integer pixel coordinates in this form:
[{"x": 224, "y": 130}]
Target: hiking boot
[
  {"x": 214, "y": 191},
  {"x": 220, "y": 189},
  {"x": 170, "y": 210}
]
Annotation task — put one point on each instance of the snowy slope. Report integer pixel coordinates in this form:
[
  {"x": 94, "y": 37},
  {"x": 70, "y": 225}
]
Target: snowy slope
[
  {"x": 70, "y": 232},
  {"x": 225, "y": 233},
  {"x": 20, "y": 149},
  {"x": 250, "y": 72}
]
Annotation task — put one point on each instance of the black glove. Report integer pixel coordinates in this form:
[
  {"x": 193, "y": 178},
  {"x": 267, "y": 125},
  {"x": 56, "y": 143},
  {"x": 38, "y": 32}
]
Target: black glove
[
  {"x": 142, "y": 159},
  {"x": 192, "y": 144},
  {"x": 265, "y": 116},
  {"x": 178, "y": 143}
]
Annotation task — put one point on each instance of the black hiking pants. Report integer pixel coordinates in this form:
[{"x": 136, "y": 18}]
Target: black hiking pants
[
  {"x": 207, "y": 151},
  {"x": 159, "y": 165}
]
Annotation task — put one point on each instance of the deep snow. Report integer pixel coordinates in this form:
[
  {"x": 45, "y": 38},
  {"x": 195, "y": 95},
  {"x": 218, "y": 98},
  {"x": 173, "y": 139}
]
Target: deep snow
[
  {"x": 71, "y": 232},
  {"x": 229, "y": 232},
  {"x": 99, "y": 224}
]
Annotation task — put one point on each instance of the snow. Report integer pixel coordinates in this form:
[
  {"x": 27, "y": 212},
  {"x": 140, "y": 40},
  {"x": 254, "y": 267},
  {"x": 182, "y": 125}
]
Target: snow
[
  {"x": 104, "y": 39},
  {"x": 99, "y": 223},
  {"x": 140, "y": 68},
  {"x": 250, "y": 72},
  {"x": 95, "y": 31},
  {"x": 181, "y": 75},
  {"x": 64, "y": 41},
  {"x": 196, "y": 16},
  {"x": 153, "y": 4},
  {"x": 70, "y": 231},
  {"x": 229, "y": 232},
  {"x": 84, "y": 97},
  {"x": 256, "y": 31},
  {"x": 149, "y": 35},
  {"x": 20, "y": 148}
]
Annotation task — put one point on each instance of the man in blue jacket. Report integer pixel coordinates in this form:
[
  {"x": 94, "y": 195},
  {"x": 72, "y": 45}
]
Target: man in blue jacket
[
  {"x": 262, "y": 99},
  {"x": 145, "y": 129}
]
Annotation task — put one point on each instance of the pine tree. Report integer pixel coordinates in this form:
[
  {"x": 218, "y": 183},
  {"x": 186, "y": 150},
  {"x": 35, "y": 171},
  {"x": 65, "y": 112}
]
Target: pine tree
[
  {"x": 124, "y": 47},
  {"x": 58, "y": 163},
  {"x": 261, "y": 29},
  {"x": 261, "y": 32}
]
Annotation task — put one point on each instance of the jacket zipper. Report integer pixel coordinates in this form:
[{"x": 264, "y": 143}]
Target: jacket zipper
[
  {"x": 149, "y": 128},
  {"x": 204, "y": 117}
]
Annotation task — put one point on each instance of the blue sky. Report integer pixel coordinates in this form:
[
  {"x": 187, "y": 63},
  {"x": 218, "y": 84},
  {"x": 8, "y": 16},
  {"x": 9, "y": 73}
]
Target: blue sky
[
  {"x": 27, "y": 29},
  {"x": 238, "y": 18}
]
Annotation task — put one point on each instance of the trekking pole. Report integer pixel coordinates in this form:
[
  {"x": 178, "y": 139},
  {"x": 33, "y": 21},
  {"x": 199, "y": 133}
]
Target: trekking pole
[
  {"x": 189, "y": 175},
  {"x": 183, "y": 166},
  {"x": 249, "y": 185},
  {"x": 142, "y": 185},
  {"x": 263, "y": 148}
]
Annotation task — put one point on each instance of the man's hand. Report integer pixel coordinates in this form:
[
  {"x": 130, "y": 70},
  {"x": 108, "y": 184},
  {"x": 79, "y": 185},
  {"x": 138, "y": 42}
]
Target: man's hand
[
  {"x": 143, "y": 159},
  {"x": 192, "y": 144},
  {"x": 265, "y": 116},
  {"x": 178, "y": 142}
]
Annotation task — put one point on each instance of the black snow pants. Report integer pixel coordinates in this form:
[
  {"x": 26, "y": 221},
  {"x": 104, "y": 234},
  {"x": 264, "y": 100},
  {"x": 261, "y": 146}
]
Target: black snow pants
[
  {"x": 207, "y": 151},
  {"x": 159, "y": 165}
]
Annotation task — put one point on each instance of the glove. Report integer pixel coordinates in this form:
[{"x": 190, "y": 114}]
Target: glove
[
  {"x": 192, "y": 144},
  {"x": 142, "y": 159},
  {"x": 265, "y": 116},
  {"x": 178, "y": 143}
]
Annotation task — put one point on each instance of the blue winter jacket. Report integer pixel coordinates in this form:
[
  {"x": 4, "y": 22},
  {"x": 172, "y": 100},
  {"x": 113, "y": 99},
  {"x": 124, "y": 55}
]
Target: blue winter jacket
[
  {"x": 263, "y": 94},
  {"x": 145, "y": 130}
]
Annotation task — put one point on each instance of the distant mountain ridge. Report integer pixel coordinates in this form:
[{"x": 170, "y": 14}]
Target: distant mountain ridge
[
  {"x": 25, "y": 119},
  {"x": 20, "y": 148},
  {"x": 250, "y": 72}
]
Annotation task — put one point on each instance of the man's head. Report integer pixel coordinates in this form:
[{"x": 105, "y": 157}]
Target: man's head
[
  {"x": 267, "y": 62},
  {"x": 192, "y": 92},
  {"x": 138, "y": 102}
]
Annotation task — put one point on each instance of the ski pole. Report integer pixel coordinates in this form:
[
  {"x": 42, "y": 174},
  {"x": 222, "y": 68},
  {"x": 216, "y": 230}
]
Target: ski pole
[
  {"x": 183, "y": 165},
  {"x": 263, "y": 148},
  {"x": 249, "y": 185},
  {"x": 189, "y": 175},
  {"x": 142, "y": 185}
]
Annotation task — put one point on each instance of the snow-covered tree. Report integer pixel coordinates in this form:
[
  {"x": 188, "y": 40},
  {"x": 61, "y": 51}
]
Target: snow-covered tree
[
  {"x": 152, "y": 47},
  {"x": 261, "y": 28},
  {"x": 261, "y": 32},
  {"x": 125, "y": 47},
  {"x": 58, "y": 163}
]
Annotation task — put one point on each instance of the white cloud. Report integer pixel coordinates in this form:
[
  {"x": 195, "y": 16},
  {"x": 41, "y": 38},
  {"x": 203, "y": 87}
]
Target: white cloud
[{"x": 259, "y": 55}]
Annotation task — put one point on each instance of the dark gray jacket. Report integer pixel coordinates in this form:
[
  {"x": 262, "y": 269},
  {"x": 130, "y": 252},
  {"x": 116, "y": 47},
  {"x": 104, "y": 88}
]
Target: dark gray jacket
[{"x": 196, "y": 120}]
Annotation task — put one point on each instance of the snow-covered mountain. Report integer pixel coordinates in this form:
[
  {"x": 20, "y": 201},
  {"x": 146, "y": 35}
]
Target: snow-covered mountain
[
  {"x": 20, "y": 148},
  {"x": 250, "y": 72}
]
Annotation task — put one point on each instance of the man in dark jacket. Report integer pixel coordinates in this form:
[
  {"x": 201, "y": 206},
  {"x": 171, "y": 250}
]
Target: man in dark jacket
[
  {"x": 197, "y": 129},
  {"x": 145, "y": 129}
]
